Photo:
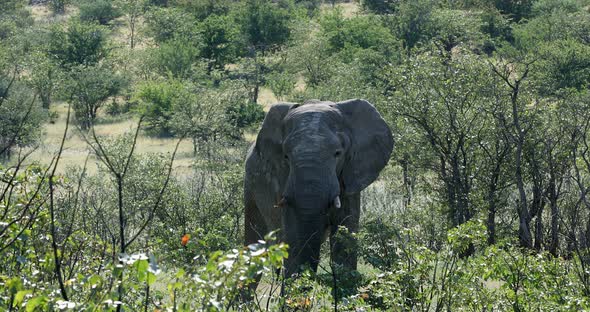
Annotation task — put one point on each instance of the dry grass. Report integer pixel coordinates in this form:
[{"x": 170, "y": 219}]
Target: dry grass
[
  {"x": 42, "y": 14},
  {"x": 266, "y": 98},
  {"x": 76, "y": 150},
  {"x": 349, "y": 9}
]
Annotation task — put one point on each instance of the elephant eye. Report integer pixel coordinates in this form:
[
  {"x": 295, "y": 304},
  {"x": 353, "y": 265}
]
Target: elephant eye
[
  {"x": 338, "y": 153},
  {"x": 286, "y": 157}
]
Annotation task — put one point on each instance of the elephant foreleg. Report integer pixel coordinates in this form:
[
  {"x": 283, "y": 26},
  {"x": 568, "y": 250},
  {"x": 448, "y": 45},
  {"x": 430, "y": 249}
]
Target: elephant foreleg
[
  {"x": 255, "y": 229},
  {"x": 254, "y": 225},
  {"x": 343, "y": 245}
]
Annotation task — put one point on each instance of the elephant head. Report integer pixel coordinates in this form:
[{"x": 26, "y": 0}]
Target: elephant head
[{"x": 321, "y": 151}]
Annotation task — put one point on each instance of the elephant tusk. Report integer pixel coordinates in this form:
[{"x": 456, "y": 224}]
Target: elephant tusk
[
  {"x": 337, "y": 203},
  {"x": 281, "y": 203}
]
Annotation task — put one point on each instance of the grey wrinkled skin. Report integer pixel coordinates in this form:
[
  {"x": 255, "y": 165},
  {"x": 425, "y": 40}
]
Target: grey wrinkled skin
[{"x": 309, "y": 154}]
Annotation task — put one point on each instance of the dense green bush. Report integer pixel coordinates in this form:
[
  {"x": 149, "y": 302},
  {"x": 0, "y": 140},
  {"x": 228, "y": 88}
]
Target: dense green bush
[
  {"x": 412, "y": 23},
  {"x": 363, "y": 32},
  {"x": 221, "y": 41},
  {"x": 516, "y": 10},
  {"x": 380, "y": 6},
  {"x": 548, "y": 7},
  {"x": 164, "y": 24},
  {"x": 78, "y": 43},
  {"x": 558, "y": 25},
  {"x": 58, "y": 6},
  {"x": 158, "y": 98},
  {"x": 176, "y": 58},
  {"x": 497, "y": 27},
  {"x": 563, "y": 64},
  {"x": 14, "y": 17},
  {"x": 264, "y": 24},
  {"x": 21, "y": 117},
  {"x": 88, "y": 89},
  {"x": 100, "y": 11}
]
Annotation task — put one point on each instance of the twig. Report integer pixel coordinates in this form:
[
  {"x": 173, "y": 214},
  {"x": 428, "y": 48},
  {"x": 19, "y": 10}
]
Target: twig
[{"x": 56, "y": 257}]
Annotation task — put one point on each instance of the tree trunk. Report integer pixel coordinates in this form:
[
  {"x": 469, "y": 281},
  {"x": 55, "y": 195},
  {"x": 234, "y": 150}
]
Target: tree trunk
[
  {"x": 45, "y": 99},
  {"x": 491, "y": 224},
  {"x": 539, "y": 231},
  {"x": 554, "y": 244},
  {"x": 524, "y": 231},
  {"x": 256, "y": 91},
  {"x": 536, "y": 210},
  {"x": 407, "y": 181}
]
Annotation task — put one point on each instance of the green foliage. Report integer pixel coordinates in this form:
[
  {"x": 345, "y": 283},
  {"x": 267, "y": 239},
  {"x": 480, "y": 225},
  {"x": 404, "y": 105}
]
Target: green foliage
[
  {"x": 452, "y": 28},
  {"x": 21, "y": 117},
  {"x": 445, "y": 118},
  {"x": 58, "y": 6},
  {"x": 516, "y": 10},
  {"x": 378, "y": 242},
  {"x": 202, "y": 9},
  {"x": 363, "y": 32},
  {"x": 44, "y": 77},
  {"x": 562, "y": 64},
  {"x": 412, "y": 22},
  {"x": 78, "y": 43},
  {"x": 12, "y": 5},
  {"x": 312, "y": 55},
  {"x": 557, "y": 26},
  {"x": 264, "y": 24},
  {"x": 14, "y": 17},
  {"x": 100, "y": 11},
  {"x": 311, "y": 6},
  {"x": 244, "y": 114},
  {"x": 175, "y": 58},
  {"x": 281, "y": 84},
  {"x": 381, "y": 6},
  {"x": 211, "y": 115},
  {"x": 346, "y": 81},
  {"x": 234, "y": 272},
  {"x": 220, "y": 41},
  {"x": 158, "y": 98},
  {"x": 164, "y": 24},
  {"x": 204, "y": 115},
  {"x": 548, "y": 7},
  {"x": 88, "y": 88},
  {"x": 497, "y": 27}
]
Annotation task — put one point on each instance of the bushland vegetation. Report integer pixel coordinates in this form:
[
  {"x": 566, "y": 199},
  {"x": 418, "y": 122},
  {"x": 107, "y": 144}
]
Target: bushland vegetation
[{"x": 124, "y": 125}]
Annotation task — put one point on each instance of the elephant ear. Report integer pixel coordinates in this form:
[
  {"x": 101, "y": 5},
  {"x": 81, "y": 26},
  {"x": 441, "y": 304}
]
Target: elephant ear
[
  {"x": 270, "y": 138},
  {"x": 371, "y": 144}
]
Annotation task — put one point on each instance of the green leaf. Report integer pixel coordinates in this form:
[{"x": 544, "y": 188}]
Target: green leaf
[
  {"x": 179, "y": 274},
  {"x": 20, "y": 297},
  {"x": 141, "y": 267},
  {"x": 34, "y": 303},
  {"x": 151, "y": 278}
]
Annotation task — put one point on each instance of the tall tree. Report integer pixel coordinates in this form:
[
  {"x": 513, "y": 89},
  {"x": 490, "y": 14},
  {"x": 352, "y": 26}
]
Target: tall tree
[
  {"x": 442, "y": 99},
  {"x": 516, "y": 123}
]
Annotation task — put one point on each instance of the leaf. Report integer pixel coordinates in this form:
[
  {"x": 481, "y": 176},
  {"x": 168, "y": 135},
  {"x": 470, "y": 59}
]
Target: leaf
[
  {"x": 20, "y": 297},
  {"x": 179, "y": 274},
  {"x": 141, "y": 267},
  {"x": 151, "y": 278},
  {"x": 35, "y": 303}
]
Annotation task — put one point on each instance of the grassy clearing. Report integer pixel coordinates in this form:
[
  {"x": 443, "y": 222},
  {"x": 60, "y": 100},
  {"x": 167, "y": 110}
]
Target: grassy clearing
[
  {"x": 349, "y": 9},
  {"x": 76, "y": 150},
  {"x": 266, "y": 98},
  {"x": 42, "y": 14}
]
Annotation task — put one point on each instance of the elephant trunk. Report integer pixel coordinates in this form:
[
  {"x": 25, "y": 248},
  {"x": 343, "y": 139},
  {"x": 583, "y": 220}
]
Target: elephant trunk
[
  {"x": 309, "y": 205},
  {"x": 304, "y": 249}
]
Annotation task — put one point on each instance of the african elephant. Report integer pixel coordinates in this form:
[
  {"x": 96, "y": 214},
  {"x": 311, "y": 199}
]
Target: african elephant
[{"x": 305, "y": 172}]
